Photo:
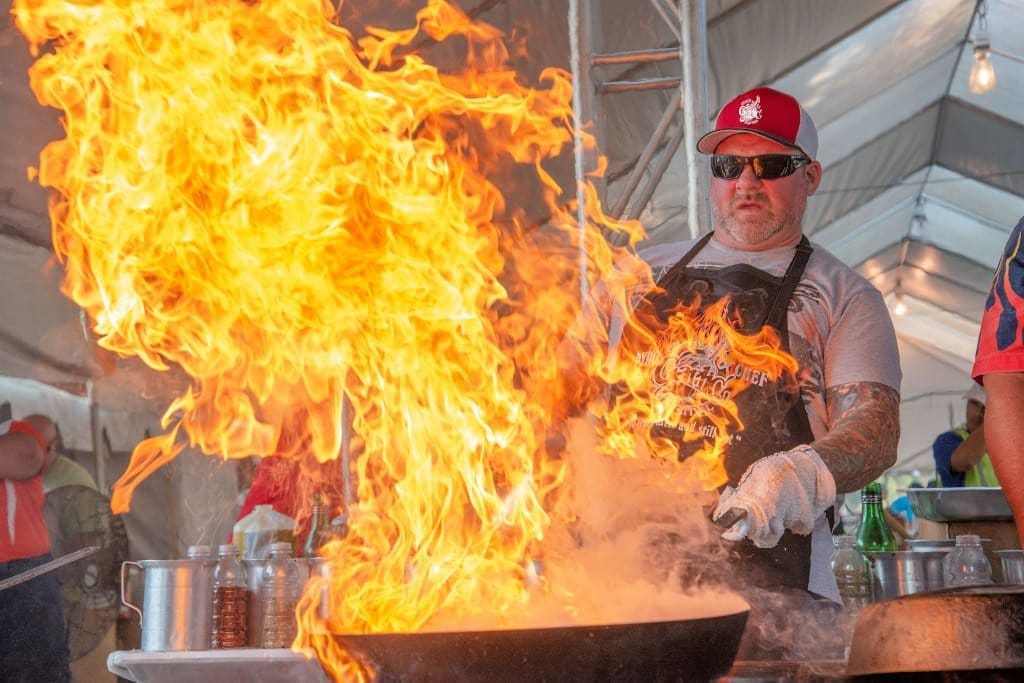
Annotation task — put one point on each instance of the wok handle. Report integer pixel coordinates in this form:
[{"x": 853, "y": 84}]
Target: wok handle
[{"x": 731, "y": 517}]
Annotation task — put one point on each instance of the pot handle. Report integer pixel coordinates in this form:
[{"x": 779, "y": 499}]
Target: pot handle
[{"x": 124, "y": 583}]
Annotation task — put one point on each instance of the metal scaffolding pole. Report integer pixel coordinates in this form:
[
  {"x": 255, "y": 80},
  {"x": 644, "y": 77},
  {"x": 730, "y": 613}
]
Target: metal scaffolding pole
[
  {"x": 688, "y": 22},
  {"x": 693, "y": 49},
  {"x": 583, "y": 18}
]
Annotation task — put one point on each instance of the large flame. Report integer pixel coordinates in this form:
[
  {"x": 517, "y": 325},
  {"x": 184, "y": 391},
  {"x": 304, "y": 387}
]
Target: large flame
[{"x": 297, "y": 218}]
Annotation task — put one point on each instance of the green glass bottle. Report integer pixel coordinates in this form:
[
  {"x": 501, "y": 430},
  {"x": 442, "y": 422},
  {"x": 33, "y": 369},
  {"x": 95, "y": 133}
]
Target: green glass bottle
[{"x": 873, "y": 534}]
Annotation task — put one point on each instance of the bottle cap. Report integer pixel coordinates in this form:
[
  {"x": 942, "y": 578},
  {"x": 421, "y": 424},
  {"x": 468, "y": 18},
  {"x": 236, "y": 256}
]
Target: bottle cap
[
  {"x": 198, "y": 552},
  {"x": 227, "y": 549},
  {"x": 968, "y": 539}
]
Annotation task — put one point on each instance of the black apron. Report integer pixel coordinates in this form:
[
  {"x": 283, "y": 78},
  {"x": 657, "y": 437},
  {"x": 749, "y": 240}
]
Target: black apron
[{"x": 772, "y": 412}]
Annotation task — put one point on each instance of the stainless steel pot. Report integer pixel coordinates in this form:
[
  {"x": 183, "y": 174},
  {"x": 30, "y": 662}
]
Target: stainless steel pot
[
  {"x": 905, "y": 572},
  {"x": 1012, "y": 562},
  {"x": 176, "y": 605}
]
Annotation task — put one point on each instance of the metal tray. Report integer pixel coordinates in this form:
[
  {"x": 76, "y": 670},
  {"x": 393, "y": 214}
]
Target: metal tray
[{"x": 967, "y": 504}]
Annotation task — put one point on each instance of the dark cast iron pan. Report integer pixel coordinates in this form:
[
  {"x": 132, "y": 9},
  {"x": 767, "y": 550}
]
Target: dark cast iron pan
[{"x": 683, "y": 650}]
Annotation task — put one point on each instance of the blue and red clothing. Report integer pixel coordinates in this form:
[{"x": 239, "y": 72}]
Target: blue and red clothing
[{"x": 1001, "y": 338}]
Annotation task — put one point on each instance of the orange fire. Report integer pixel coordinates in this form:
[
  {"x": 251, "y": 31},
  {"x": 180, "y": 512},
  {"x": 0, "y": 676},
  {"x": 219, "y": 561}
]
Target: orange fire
[{"x": 296, "y": 217}]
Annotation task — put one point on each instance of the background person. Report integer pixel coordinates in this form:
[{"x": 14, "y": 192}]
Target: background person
[
  {"x": 959, "y": 454},
  {"x": 834, "y": 426},
  {"x": 33, "y": 643},
  {"x": 999, "y": 365},
  {"x": 64, "y": 471}
]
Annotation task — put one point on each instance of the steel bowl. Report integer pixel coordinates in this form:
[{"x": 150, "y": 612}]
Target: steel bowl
[
  {"x": 1012, "y": 562},
  {"x": 965, "y": 504},
  {"x": 943, "y": 544},
  {"x": 905, "y": 572}
]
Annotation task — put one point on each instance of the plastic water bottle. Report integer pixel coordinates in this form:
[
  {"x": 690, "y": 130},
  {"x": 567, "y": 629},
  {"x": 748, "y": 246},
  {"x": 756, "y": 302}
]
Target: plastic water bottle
[
  {"x": 853, "y": 576},
  {"x": 279, "y": 591},
  {"x": 966, "y": 564}
]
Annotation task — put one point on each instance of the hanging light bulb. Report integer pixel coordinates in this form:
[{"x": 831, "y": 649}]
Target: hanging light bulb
[
  {"x": 983, "y": 74},
  {"x": 899, "y": 307}
]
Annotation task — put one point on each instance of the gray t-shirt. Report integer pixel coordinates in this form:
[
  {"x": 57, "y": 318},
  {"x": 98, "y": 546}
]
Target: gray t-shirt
[{"x": 839, "y": 332}]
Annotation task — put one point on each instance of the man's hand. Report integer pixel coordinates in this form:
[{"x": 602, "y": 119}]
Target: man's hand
[{"x": 787, "y": 490}]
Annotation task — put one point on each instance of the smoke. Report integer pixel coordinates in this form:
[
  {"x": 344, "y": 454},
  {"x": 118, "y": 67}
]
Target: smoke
[
  {"x": 788, "y": 624},
  {"x": 638, "y": 546}
]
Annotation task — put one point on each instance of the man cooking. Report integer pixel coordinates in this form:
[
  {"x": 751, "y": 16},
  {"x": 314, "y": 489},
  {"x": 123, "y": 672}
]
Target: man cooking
[{"x": 834, "y": 426}]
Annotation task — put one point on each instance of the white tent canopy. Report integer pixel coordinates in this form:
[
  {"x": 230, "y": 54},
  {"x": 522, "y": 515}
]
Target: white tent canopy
[{"x": 923, "y": 179}]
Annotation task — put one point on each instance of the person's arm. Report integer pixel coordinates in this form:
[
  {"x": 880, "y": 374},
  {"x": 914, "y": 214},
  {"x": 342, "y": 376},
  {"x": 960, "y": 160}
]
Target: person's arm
[
  {"x": 865, "y": 428},
  {"x": 897, "y": 527},
  {"x": 968, "y": 453},
  {"x": 21, "y": 456},
  {"x": 792, "y": 489},
  {"x": 1004, "y": 429}
]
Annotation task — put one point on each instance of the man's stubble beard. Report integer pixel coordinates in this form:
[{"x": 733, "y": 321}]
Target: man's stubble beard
[{"x": 757, "y": 232}]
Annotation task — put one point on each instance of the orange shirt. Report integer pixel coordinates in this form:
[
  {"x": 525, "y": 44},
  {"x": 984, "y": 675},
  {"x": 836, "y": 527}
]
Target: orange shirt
[{"x": 22, "y": 527}]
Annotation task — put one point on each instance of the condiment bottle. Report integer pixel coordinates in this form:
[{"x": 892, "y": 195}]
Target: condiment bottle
[
  {"x": 230, "y": 600},
  {"x": 279, "y": 592},
  {"x": 319, "y": 528},
  {"x": 966, "y": 564},
  {"x": 874, "y": 533}
]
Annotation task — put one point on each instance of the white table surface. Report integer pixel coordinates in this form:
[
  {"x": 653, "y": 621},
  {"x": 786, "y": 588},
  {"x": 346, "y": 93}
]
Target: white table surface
[{"x": 236, "y": 665}]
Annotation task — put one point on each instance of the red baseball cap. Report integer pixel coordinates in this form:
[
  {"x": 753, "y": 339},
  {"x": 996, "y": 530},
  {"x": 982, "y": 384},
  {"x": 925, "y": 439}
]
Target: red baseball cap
[{"x": 768, "y": 113}]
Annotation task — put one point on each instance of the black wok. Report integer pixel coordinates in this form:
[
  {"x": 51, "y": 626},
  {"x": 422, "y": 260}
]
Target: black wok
[{"x": 689, "y": 649}]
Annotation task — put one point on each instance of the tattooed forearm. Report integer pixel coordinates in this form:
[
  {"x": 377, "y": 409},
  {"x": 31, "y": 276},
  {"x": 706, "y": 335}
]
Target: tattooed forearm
[{"x": 864, "y": 428}]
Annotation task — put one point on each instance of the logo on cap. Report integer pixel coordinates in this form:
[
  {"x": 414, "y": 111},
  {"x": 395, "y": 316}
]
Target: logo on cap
[{"x": 750, "y": 111}]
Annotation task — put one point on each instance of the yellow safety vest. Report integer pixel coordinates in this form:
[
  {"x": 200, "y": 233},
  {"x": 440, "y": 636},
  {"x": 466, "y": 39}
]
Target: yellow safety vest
[{"x": 982, "y": 474}]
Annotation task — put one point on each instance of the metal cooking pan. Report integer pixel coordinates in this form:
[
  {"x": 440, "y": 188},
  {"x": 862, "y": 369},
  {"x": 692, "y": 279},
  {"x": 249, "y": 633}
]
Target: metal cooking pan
[
  {"x": 975, "y": 628},
  {"x": 690, "y": 649},
  {"x": 963, "y": 504}
]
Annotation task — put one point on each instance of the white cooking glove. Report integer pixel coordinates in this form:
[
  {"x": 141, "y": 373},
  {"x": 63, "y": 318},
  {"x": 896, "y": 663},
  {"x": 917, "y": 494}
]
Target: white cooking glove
[{"x": 787, "y": 490}]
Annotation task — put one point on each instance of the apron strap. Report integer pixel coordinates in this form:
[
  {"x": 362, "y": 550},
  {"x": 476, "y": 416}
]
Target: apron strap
[
  {"x": 776, "y": 315},
  {"x": 676, "y": 271}
]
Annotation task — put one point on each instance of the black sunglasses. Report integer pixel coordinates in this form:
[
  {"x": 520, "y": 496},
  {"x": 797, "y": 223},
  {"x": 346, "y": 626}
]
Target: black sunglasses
[{"x": 765, "y": 166}]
